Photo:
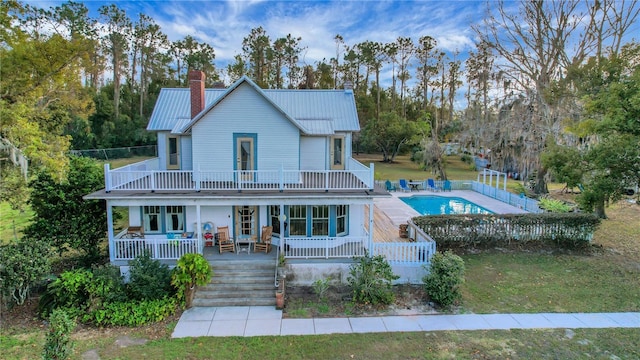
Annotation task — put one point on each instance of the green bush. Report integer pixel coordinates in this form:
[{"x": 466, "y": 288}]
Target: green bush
[
  {"x": 132, "y": 313},
  {"x": 370, "y": 280},
  {"x": 58, "y": 345},
  {"x": 23, "y": 264},
  {"x": 554, "y": 205},
  {"x": 149, "y": 279},
  {"x": 446, "y": 275},
  {"x": 69, "y": 291},
  {"x": 191, "y": 270}
]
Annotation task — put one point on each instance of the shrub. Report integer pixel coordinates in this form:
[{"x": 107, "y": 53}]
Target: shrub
[
  {"x": 23, "y": 264},
  {"x": 320, "y": 287},
  {"x": 132, "y": 313},
  {"x": 149, "y": 279},
  {"x": 68, "y": 291},
  {"x": 191, "y": 270},
  {"x": 58, "y": 345},
  {"x": 554, "y": 205},
  {"x": 446, "y": 274},
  {"x": 370, "y": 280}
]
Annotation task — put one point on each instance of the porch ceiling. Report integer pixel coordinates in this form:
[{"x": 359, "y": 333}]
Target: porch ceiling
[{"x": 249, "y": 196}]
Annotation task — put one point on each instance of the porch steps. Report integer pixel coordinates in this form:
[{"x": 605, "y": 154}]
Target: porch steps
[{"x": 238, "y": 283}]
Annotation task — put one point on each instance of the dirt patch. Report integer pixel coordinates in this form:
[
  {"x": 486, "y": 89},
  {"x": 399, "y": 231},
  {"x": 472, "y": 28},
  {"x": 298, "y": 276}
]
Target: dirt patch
[{"x": 303, "y": 302}]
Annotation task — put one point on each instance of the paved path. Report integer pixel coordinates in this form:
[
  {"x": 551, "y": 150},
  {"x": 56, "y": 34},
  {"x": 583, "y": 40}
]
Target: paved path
[{"x": 266, "y": 320}]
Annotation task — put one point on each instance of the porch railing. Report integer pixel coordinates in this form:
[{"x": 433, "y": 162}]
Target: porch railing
[
  {"x": 324, "y": 248},
  {"x": 146, "y": 176},
  {"x": 418, "y": 252},
  {"x": 159, "y": 249}
]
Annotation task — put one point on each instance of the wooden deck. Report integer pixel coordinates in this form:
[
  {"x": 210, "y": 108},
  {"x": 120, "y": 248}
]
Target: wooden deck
[{"x": 383, "y": 228}]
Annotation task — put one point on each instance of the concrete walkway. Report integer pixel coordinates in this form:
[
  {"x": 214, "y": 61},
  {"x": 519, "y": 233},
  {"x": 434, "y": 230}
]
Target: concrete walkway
[{"x": 266, "y": 320}]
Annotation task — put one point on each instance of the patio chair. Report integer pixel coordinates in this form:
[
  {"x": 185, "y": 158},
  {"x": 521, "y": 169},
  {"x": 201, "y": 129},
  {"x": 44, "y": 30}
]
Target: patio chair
[
  {"x": 390, "y": 186},
  {"x": 225, "y": 242},
  {"x": 404, "y": 186},
  {"x": 446, "y": 186},
  {"x": 265, "y": 240},
  {"x": 431, "y": 185}
]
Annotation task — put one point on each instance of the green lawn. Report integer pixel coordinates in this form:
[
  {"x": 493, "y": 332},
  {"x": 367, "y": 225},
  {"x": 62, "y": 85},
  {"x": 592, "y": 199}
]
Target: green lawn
[
  {"x": 503, "y": 344},
  {"x": 12, "y": 222}
]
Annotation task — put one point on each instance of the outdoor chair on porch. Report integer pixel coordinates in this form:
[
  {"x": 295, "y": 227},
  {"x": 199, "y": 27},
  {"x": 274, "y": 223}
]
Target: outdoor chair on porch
[
  {"x": 225, "y": 243},
  {"x": 265, "y": 240}
]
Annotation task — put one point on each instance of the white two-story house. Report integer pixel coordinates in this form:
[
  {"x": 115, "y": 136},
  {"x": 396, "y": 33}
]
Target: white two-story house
[{"x": 245, "y": 157}]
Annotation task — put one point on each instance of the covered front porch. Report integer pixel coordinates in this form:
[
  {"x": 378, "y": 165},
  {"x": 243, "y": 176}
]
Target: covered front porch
[{"x": 303, "y": 228}]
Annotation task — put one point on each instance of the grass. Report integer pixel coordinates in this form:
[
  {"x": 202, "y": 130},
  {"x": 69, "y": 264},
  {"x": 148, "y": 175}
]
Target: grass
[
  {"x": 498, "y": 344},
  {"x": 13, "y": 220}
]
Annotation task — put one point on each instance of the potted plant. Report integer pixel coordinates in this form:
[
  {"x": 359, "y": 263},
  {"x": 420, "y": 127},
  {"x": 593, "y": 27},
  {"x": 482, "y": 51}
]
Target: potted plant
[{"x": 191, "y": 270}]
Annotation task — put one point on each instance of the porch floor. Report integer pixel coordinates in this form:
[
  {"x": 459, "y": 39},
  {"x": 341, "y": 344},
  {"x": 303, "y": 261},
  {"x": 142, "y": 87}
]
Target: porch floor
[{"x": 211, "y": 253}]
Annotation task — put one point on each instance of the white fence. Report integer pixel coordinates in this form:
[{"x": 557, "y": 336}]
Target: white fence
[{"x": 521, "y": 202}]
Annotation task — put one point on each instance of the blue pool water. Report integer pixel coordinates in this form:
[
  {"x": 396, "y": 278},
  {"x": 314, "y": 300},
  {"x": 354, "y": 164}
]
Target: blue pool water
[{"x": 438, "y": 205}]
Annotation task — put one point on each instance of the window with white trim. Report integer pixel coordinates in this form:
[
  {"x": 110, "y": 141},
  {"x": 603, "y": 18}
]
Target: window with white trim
[
  {"x": 320, "y": 220},
  {"x": 341, "y": 219},
  {"x": 151, "y": 217},
  {"x": 298, "y": 220},
  {"x": 174, "y": 219}
]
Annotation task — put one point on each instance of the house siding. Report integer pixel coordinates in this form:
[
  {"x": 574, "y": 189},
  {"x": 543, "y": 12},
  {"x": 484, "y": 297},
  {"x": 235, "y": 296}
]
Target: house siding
[
  {"x": 313, "y": 153},
  {"x": 162, "y": 149},
  {"x": 186, "y": 158},
  {"x": 277, "y": 138}
]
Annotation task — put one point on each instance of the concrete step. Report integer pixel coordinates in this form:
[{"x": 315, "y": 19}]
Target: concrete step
[
  {"x": 255, "y": 294},
  {"x": 217, "y": 302},
  {"x": 226, "y": 287}
]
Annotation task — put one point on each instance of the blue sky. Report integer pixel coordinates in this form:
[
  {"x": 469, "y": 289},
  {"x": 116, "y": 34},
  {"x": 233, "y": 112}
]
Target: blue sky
[{"x": 223, "y": 24}]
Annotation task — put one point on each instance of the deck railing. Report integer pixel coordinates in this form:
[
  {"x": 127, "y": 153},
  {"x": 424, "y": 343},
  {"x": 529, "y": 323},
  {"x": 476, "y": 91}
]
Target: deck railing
[
  {"x": 324, "y": 248},
  {"x": 158, "y": 248},
  {"x": 418, "y": 252},
  {"x": 146, "y": 176}
]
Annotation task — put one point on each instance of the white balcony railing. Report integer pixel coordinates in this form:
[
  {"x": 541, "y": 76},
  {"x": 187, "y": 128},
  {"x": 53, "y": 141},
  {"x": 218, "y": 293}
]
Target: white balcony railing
[{"x": 146, "y": 176}]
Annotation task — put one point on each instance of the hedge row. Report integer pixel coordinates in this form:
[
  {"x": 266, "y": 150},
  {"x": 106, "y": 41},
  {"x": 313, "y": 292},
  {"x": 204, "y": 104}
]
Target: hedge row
[{"x": 570, "y": 230}]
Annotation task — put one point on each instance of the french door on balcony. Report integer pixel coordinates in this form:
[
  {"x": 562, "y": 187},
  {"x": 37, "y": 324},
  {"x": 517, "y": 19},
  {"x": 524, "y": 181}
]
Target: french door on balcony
[
  {"x": 337, "y": 153},
  {"x": 245, "y": 153}
]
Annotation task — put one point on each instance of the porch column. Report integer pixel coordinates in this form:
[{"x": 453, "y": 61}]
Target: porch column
[
  {"x": 371, "y": 228},
  {"x": 112, "y": 244},
  {"x": 283, "y": 219},
  {"x": 198, "y": 230}
]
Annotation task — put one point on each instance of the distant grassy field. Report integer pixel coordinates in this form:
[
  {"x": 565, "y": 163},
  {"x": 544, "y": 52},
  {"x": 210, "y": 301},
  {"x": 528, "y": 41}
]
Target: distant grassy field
[{"x": 12, "y": 222}]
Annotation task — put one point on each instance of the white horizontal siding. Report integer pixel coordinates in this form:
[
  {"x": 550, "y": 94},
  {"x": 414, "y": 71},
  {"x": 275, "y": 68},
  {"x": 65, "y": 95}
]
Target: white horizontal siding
[
  {"x": 162, "y": 149},
  {"x": 313, "y": 151},
  {"x": 186, "y": 154},
  {"x": 245, "y": 111}
]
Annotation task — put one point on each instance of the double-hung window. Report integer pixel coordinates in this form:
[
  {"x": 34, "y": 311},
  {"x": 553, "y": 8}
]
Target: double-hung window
[
  {"x": 320, "y": 220},
  {"x": 151, "y": 217},
  {"x": 341, "y": 219},
  {"x": 298, "y": 220},
  {"x": 163, "y": 219},
  {"x": 175, "y": 219}
]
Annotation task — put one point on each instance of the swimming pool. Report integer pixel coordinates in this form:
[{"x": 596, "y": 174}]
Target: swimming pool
[{"x": 438, "y": 205}]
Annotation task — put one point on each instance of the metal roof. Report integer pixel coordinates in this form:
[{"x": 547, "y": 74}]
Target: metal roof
[{"x": 318, "y": 112}]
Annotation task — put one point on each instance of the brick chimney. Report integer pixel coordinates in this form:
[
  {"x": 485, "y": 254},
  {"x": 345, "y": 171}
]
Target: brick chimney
[{"x": 196, "y": 84}]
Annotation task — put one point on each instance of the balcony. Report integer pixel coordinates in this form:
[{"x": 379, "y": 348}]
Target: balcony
[{"x": 146, "y": 176}]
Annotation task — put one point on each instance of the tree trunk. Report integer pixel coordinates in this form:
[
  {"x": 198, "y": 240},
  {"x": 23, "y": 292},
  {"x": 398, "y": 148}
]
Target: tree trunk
[{"x": 541, "y": 184}]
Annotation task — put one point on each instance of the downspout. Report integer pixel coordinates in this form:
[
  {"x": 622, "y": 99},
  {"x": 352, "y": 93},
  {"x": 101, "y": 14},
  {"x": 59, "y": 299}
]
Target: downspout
[{"x": 112, "y": 254}]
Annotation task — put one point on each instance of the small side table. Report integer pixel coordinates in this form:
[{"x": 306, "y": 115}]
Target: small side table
[{"x": 243, "y": 243}]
